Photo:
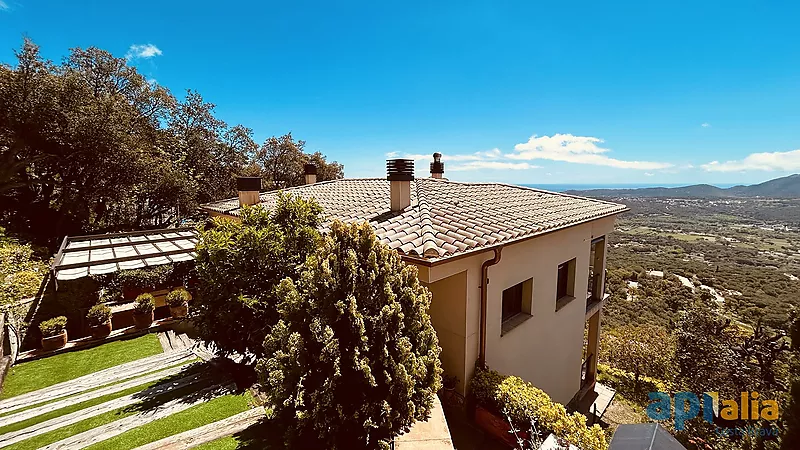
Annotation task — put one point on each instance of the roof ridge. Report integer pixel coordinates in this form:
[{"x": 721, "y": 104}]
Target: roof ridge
[{"x": 428, "y": 234}]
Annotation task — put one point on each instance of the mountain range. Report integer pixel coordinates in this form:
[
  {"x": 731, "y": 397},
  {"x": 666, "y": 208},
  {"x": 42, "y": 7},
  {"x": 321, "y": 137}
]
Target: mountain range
[{"x": 784, "y": 187}]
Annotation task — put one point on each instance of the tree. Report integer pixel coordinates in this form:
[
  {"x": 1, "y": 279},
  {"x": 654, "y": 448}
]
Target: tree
[
  {"x": 239, "y": 265},
  {"x": 644, "y": 350},
  {"x": 282, "y": 160},
  {"x": 90, "y": 145},
  {"x": 791, "y": 413},
  {"x": 353, "y": 359}
]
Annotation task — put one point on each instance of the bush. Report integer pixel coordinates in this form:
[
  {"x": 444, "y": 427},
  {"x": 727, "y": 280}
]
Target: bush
[
  {"x": 145, "y": 304},
  {"x": 522, "y": 402},
  {"x": 53, "y": 327},
  {"x": 239, "y": 265},
  {"x": 98, "y": 315},
  {"x": 625, "y": 383},
  {"x": 353, "y": 359},
  {"x": 178, "y": 297}
]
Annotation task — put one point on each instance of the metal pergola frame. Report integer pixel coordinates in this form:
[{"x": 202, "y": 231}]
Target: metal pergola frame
[{"x": 178, "y": 235}]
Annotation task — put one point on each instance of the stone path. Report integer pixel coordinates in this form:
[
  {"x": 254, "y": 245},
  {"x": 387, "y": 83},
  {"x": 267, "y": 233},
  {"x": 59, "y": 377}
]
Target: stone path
[
  {"x": 92, "y": 411},
  {"x": 101, "y": 378},
  {"x": 171, "y": 341},
  {"x": 74, "y": 400},
  {"x": 208, "y": 433},
  {"x": 118, "y": 427}
]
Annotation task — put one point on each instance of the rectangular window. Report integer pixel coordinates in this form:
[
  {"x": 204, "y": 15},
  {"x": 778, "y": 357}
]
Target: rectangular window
[
  {"x": 517, "y": 302},
  {"x": 512, "y": 301},
  {"x": 565, "y": 285}
]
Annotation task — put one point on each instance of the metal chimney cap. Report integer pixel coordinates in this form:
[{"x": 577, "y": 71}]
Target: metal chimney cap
[
  {"x": 310, "y": 169},
  {"x": 437, "y": 166},
  {"x": 248, "y": 183},
  {"x": 400, "y": 169}
]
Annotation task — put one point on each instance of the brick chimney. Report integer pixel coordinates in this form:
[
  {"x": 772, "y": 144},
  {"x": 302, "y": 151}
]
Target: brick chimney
[
  {"x": 310, "y": 171},
  {"x": 400, "y": 173},
  {"x": 437, "y": 166},
  {"x": 248, "y": 188}
]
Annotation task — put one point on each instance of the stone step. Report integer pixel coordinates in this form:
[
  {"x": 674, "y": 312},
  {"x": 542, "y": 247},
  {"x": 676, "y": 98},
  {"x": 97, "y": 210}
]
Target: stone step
[
  {"x": 111, "y": 405},
  {"x": 75, "y": 399},
  {"x": 94, "y": 380},
  {"x": 207, "y": 433},
  {"x": 118, "y": 427}
]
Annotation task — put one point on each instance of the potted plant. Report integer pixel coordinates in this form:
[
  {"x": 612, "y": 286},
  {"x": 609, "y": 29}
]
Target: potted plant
[
  {"x": 99, "y": 318},
  {"x": 143, "y": 311},
  {"x": 178, "y": 302},
  {"x": 54, "y": 333}
]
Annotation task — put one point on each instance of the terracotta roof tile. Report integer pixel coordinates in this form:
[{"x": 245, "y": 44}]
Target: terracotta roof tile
[{"x": 445, "y": 217}]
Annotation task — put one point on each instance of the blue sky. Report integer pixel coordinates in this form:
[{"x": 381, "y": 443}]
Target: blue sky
[{"x": 522, "y": 92}]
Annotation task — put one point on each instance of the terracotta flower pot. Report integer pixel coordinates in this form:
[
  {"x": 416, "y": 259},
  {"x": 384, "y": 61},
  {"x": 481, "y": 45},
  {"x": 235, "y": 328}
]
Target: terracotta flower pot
[
  {"x": 130, "y": 292},
  {"x": 179, "y": 312},
  {"x": 54, "y": 342},
  {"x": 496, "y": 426},
  {"x": 141, "y": 321},
  {"x": 101, "y": 331}
]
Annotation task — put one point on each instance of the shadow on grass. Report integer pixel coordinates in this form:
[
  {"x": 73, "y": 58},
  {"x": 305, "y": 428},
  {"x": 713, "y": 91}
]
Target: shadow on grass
[
  {"x": 197, "y": 381},
  {"x": 267, "y": 435}
]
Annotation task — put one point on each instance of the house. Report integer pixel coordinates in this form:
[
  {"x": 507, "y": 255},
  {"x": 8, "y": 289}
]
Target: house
[{"x": 517, "y": 274}]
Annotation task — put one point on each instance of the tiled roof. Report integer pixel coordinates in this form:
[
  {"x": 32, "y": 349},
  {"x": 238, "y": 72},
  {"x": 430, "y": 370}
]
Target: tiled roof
[{"x": 445, "y": 217}]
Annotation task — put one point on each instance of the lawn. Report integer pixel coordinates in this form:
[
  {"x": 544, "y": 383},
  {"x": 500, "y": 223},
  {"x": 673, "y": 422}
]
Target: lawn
[
  {"x": 30, "y": 376},
  {"x": 211, "y": 411}
]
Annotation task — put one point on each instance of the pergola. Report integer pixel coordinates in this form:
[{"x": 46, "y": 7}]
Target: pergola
[{"x": 81, "y": 256}]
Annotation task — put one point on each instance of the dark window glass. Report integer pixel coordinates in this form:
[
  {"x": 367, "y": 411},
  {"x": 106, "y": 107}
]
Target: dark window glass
[
  {"x": 563, "y": 280},
  {"x": 512, "y": 301}
]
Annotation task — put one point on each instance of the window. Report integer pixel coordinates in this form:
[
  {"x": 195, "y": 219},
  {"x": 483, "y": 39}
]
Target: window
[
  {"x": 512, "y": 301},
  {"x": 516, "y": 305},
  {"x": 565, "y": 285}
]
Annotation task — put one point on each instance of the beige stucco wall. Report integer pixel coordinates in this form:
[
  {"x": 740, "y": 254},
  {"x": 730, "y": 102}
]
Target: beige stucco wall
[{"x": 547, "y": 348}]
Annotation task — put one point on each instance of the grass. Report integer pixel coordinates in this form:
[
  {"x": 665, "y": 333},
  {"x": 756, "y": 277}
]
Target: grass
[
  {"x": 36, "y": 405},
  {"x": 211, "y": 411},
  {"x": 226, "y": 443},
  {"x": 70, "y": 409},
  {"x": 35, "y": 375},
  {"x": 105, "y": 418}
]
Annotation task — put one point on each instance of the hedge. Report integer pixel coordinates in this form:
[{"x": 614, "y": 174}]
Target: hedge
[
  {"x": 522, "y": 402},
  {"x": 625, "y": 383}
]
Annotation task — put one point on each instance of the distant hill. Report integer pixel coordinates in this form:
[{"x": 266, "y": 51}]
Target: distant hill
[{"x": 785, "y": 187}]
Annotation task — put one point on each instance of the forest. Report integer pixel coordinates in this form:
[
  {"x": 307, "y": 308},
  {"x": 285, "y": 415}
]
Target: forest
[{"x": 89, "y": 145}]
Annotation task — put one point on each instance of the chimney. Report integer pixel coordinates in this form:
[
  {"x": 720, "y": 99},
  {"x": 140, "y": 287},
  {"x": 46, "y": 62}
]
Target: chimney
[
  {"x": 310, "y": 171},
  {"x": 248, "y": 188},
  {"x": 400, "y": 174},
  {"x": 437, "y": 166}
]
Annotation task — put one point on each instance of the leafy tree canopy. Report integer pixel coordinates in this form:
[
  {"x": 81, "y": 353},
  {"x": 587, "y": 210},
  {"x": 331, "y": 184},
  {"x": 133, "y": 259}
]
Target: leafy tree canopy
[{"x": 91, "y": 145}]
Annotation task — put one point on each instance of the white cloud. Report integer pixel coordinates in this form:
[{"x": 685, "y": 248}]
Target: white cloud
[
  {"x": 774, "y": 161},
  {"x": 576, "y": 149},
  {"x": 142, "y": 51},
  {"x": 705, "y": 125},
  {"x": 3, "y": 5},
  {"x": 648, "y": 174},
  {"x": 494, "y": 165},
  {"x": 492, "y": 154}
]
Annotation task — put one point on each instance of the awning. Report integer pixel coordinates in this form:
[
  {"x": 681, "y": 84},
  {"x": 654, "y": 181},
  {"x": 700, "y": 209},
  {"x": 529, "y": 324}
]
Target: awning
[{"x": 81, "y": 256}]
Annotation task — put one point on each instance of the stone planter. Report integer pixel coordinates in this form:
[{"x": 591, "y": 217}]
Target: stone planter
[
  {"x": 142, "y": 321},
  {"x": 179, "y": 312},
  {"x": 101, "y": 331},
  {"x": 496, "y": 426},
  {"x": 54, "y": 342}
]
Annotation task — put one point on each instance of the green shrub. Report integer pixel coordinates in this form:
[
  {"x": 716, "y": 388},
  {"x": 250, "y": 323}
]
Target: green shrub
[
  {"x": 239, "y": 265},
  {"x": 20, "y": 285},
  {"x": 522, "y": 401},
  {"x": 53, "y": 327},
  {"x": 98, "y": 315},
  {"x": 625, "y": 383},
  {"x": 178, "y": 297},
  {"x": 354, "y": 358},
  {"x": 145, "y": 304}
]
